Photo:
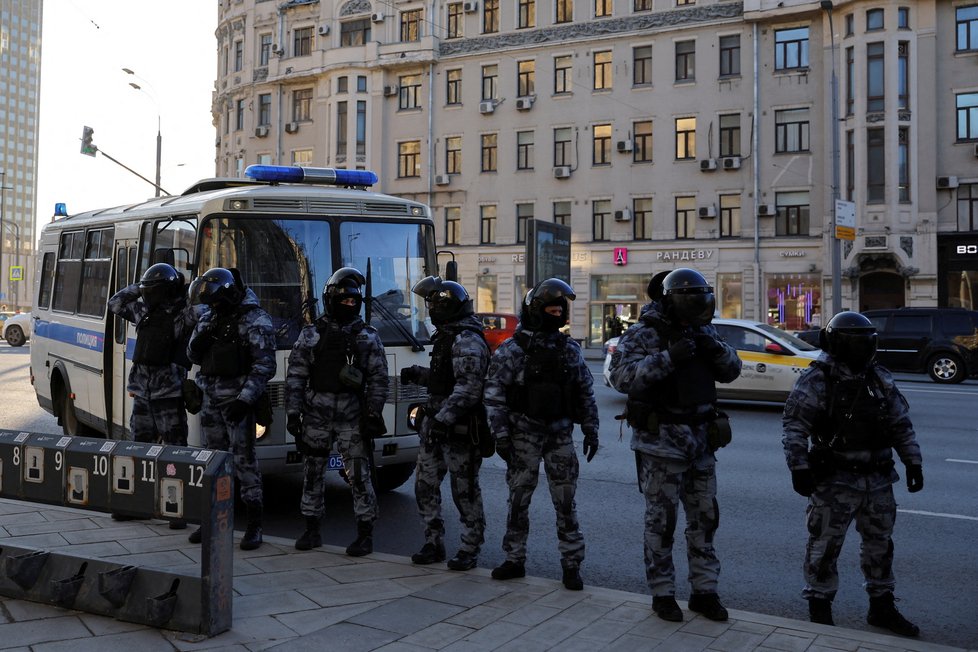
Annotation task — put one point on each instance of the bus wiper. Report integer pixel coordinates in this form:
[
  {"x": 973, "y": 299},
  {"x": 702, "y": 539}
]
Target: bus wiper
[{"x": 391, "y": 318}]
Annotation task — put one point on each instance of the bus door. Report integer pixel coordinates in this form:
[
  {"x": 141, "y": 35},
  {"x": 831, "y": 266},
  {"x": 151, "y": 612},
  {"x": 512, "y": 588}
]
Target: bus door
[{"x": 121, "y": 356}]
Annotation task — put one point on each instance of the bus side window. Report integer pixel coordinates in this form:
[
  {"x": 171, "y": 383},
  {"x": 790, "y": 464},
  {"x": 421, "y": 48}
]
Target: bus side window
[
  {"x": 47, "y": 280},
  {"x": 121, "y": 269}
]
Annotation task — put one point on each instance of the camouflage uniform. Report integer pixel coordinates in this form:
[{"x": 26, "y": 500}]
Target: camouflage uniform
[
  {"x": 454, "y": 453},
  {"x": 860, "y": 483},
  {"x": 535, "y": 439},
  {"x": 334, "y": 417},
  {"x": 254, "y": 328},
  {"x": 158, "y": 412},
  {"x": 676, "y": 462}
]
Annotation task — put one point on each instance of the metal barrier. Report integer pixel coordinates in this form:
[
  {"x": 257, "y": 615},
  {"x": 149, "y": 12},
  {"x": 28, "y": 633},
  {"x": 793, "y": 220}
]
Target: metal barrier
[{"x": 133, "y": 479}]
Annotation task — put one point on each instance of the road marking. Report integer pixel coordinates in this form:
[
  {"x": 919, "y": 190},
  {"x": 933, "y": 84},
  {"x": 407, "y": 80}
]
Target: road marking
[
  {"x": 962, "y": 461},
  {"x": 922, "y": 513},
  {"x": 934, "y": 391}
]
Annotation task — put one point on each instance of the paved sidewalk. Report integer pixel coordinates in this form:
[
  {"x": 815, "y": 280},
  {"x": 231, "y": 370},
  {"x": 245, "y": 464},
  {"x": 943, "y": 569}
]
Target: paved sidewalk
[{"x": 322, "y": 599}]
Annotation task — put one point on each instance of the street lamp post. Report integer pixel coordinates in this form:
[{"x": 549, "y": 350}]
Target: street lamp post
[
  {"x": 3, "y": 174},
  {"x": 826, "y": 5},
  {"x": 159, "y": 131}
]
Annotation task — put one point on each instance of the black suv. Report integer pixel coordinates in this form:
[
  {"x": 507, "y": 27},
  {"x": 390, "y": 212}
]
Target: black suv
[{"x": 943, "y": 342}]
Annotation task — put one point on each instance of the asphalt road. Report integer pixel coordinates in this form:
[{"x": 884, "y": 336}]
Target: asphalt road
[{"x": 761, "y": 538}]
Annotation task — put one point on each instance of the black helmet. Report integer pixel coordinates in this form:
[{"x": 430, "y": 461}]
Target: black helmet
[
  {"x": 345, "y": 283},
  {"x": 218, "y": 288},
  {"x": 654, "y": 290},
  {"x": 687, "y": 297},
  {"x": 447, "y": 301},
  {"x": 160, "y": 284},
  {"x": 552, "y": 292},
  {"x": 851, "y": 339}
]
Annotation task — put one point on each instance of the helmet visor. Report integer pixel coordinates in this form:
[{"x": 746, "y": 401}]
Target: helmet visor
[
  {"x": 855, "y": 348},
  {"x": 694, "y": 308}
]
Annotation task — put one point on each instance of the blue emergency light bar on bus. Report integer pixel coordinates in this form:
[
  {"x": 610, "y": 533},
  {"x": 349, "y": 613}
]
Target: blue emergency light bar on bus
[{"x": 296, "y": 174}]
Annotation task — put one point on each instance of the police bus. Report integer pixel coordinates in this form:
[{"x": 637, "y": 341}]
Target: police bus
[{"x": 286, "y": 229}]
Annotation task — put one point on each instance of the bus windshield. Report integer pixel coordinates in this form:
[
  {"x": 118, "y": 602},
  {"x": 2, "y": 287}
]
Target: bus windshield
[{"x": 286, "y": 262}]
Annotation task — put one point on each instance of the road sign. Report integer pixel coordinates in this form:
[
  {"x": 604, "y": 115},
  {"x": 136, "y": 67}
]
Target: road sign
[
  {"x": 16, "y": 272},
  {"x": 845, "y": 220}
]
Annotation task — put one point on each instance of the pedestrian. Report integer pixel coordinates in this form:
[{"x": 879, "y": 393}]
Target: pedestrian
[
  {"x": 669, "y": 364},
  {"x": 538, "y": 386},
  {"x": 842, "y": 421},
  {"x": 158, "y": 306},
  {"x": 234, "y": 344},
  {"x": 335, "y": 390},
  {"x": 450, "y": 429}
]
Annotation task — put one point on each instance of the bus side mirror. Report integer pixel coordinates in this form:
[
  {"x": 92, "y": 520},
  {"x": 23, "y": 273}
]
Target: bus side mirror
[{"x": 451, "y": 271}]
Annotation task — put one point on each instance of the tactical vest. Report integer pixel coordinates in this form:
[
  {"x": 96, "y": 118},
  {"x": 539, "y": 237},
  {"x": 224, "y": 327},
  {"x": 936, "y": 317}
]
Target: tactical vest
[
  {"x": 545, "y": 393},
  {"x": 857, "y": 414},
  {"x": 441, "y": 377},
  {"x": 691, "y": 384},
  {"x": 154, "y": 339},
  {"x": 229, "y": 356},
  {"x": 333, "y": 351}
]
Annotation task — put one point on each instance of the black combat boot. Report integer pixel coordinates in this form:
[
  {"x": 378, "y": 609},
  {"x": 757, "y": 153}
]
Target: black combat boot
[
  {"x": 364, "y": 544},
  {"x": 430, "y": 553},
  {"x": 709, "y": 605},
  {"x": 509, "y": 570},
  {"x": 252, "y": 536},
  {"x": 820, "y": 611},
  {"x": 666, "y": 608},
  {"x": 883, "y": 613},
  {"x": 196, "y": 536},
  {"x": 463, "y": 561},
  {"x": 311, "y": 538},
  {"x": 572, "y": 579}
]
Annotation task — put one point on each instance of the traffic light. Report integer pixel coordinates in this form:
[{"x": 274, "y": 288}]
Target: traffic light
[{"x": 88, "y": 148}]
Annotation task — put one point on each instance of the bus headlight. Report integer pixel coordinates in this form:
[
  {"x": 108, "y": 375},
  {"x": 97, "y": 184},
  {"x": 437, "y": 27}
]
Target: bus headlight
[
  {"x": 260, "y": 431},
  {"x": 414, "y": 416}
]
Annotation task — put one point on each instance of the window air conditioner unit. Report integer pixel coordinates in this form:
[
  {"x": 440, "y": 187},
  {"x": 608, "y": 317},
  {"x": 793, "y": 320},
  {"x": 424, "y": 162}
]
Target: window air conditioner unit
[
  {"x": 442, "y": 179},
  {"x": 623, "y": 215},
  {"x": 378, "y": 17},
  {"x": 708, "y": 165},
  {"x": 323, "y": 30},
  {"x": 731, "y": 163},
  {"x": 470, "y": 7},
  {"x": 261, "y": 131},
  {"x": 524, "y": 103},
  {"x": 291, "y": 127},
  {"x": 624, "y": 145},
  {"x": 562, "y": 172},
  {"x": 487, "y": 107},
  {"x": 947, "y": 183},
  {"x": 278, "y": 50},
  {"x": 390, "y": 91},
  {"x": 708, "y": 212},
  {"x": 766, "y": 210}
]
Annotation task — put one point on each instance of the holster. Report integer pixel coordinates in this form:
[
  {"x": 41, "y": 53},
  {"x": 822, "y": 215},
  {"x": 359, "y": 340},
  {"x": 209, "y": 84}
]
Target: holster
[
  {"x": 641, "y": 416},
  {"x": 718, "y": 432}
]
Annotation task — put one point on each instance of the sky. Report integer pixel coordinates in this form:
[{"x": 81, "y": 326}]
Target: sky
[{"x": 171, "y": 47}]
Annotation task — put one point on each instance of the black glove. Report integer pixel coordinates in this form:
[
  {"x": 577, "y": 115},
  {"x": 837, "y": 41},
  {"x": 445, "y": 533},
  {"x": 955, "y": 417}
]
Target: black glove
[
  {"x": 237, "y": 411},
  {"x": 590, "y": 444},
  {"x": 803, "y": 482},
  {"x": 681, "y": 350},
  {"x": 504, "y": 448},
  {"x": 411, "y": 375},
  {"x": 294, "y": 425},
  {"x": 708, "y": 345},
  {"x": 438, "y": 430},
  {"x": 915, "y": 478}
]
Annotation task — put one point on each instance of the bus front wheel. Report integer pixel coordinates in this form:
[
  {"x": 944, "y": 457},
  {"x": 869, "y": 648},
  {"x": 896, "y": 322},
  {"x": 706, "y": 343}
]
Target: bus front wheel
[
  {"x": 392, "y": 476},
  {"x": 68, "y": 419}
]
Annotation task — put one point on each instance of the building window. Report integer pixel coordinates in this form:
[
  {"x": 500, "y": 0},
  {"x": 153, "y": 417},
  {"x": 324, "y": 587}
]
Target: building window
[
  {"x": 453, "y": 86},
  {"x": 685, "y": 60},
  {"x": 361, "y": 127},
  {"x": 683, "y": 3},
  {"x": 602, "y": 8},
  {"x": 411, "y": 25},
  {"x": 302, "y": 157},
  {"x": 456, "y": 20},
  {"x": 562, "y": 146},
  {"x": 409, "y": 94},
  {"x": 730, "y": 55},
  {"x": 602, "y": 71},
  {"x": 238, "y": 55},
  {"x": 685, "y": 139},
  {"x": 642, "y": 5},
  {"x": 850, "y": 21},
  {"x": 526, "y": 14},
  {"x": 967, "y": 116},
  {"x": 903, "y": 75},
  {"x": 903, "y": 18},
  {"x": 524, "y": 150},
  {"x": 224, "y": 59},
  {"x": 793, "y": 212},
  {"x": 361, "y": 83},
  {"x": 642, "y": 65},
  {"x": 791, "y": 48},
  {"x": 601, "y": 219},
  {"x": 730, "y": 134},
  {"x": 487, "y": 224},
  {"x": 874, "y": 20},
  {"x": 453, "y": 225},
  {"x": 489, "y": 152},
  {"x": 238, "y": 115},
  {"x": 453, "y": 155},
  {"x": 341, "y": 126},
  {"x": 302, "y": 42},
  {"x": 642, "y": 142},
  {"x": 875, "y": 85},
  {"x": 875, "y": 165},
  {"x": 850, "y": 165},
  {"x": 903, "y": 164},
  {"x": 490, "y": 82},
  {"x": 685, "y": 218},
  {"x": 968, "y": 207},
  {"x": 525, "y": 78},
  {"x": 490, "y": 16},
  {"x": 850, "y": 83},
  {"x": 966, "y": 28},
  {"x": 791, "y": 129},
  {"x": 265, "y": 109},
  {"x": 302, "y": 105},
  {"x": 264, "y": 49},
  {"x": 409, "y": 159},
  {"x": 355, "y": 32},
  {"x": 562, "y": 75},
  {"x": 562, "y": 212},
  {"x": 524, "y": 213},
  {"x": 563, "y": 11},
  {"x": 601, "y": 150},
  {"x": 729, "y": 216},
  {"x": 264, "y": 159},
  {"x": 642, "y": 218}
]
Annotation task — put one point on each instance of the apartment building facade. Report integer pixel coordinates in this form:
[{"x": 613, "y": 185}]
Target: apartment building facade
[{"x": 665, "y": 133}]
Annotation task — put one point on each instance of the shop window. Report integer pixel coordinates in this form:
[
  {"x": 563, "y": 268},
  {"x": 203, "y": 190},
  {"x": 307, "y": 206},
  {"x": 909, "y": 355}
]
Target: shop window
[{"x": 794, "y": 301}]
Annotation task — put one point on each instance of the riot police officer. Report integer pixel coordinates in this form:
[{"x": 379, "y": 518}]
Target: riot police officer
[
  {"x": 451, "y": 427},
  {"x": 841, "y": 423},
  {"x": 537, "y": 388},
  {"x": 669, "y": 364},
  {"x": 335, "y": 390},
  {"x": 234, "y": 344}
]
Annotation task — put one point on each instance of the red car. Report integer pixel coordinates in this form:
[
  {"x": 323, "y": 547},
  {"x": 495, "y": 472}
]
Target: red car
[{"x": 498, "y": 327}]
